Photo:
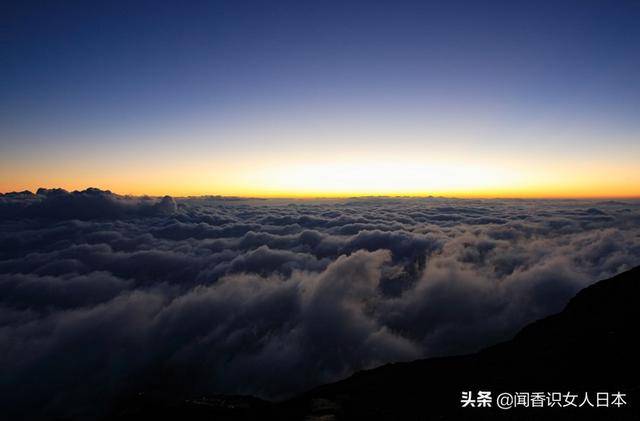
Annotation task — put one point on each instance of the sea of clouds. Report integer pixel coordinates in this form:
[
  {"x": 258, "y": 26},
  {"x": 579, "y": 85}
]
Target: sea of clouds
[{"x": 103, "y": 296}]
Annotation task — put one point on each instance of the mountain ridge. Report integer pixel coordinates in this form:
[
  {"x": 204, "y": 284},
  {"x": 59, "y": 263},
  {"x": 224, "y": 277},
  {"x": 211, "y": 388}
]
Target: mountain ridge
[{"x": 591, "y": 346}]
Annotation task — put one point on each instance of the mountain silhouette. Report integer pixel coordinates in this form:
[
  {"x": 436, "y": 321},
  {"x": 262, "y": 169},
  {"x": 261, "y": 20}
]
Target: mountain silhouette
[{"x": 590, "y": 347}]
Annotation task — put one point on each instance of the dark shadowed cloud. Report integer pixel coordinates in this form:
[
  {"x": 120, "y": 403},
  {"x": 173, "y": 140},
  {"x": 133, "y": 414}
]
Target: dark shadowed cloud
[{"x": 104, "y": 295}]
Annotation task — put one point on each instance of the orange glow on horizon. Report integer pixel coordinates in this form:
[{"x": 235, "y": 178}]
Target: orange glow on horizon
[
  {"x": 185, "y": 190},
  {"x": 353, "y": 175},
  {"x": 478, "y": 194}
]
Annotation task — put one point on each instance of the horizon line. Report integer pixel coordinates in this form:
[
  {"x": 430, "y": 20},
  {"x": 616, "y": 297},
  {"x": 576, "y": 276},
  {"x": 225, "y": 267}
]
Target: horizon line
[{"x": 320, "y": 196}]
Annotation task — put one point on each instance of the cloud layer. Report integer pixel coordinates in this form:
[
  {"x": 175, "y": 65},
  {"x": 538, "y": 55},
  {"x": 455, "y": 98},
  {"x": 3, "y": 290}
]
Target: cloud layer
[{"x": 103, "y": 295}]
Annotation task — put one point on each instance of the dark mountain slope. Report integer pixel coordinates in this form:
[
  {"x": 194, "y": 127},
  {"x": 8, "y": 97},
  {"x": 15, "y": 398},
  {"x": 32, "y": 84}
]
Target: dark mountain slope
[{"x": 591, "y": 346}]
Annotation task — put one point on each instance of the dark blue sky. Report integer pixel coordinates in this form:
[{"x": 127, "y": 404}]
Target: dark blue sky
[{"x": 208, "y": 76}]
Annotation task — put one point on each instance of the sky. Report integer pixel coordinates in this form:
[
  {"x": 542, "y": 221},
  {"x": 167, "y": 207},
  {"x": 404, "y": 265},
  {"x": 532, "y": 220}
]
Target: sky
[{"x": 322, "y": 98}]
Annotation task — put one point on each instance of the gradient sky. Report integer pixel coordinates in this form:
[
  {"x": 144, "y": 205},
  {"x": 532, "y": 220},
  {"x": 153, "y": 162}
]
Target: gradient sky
[{"x": 302, "y": 98}]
